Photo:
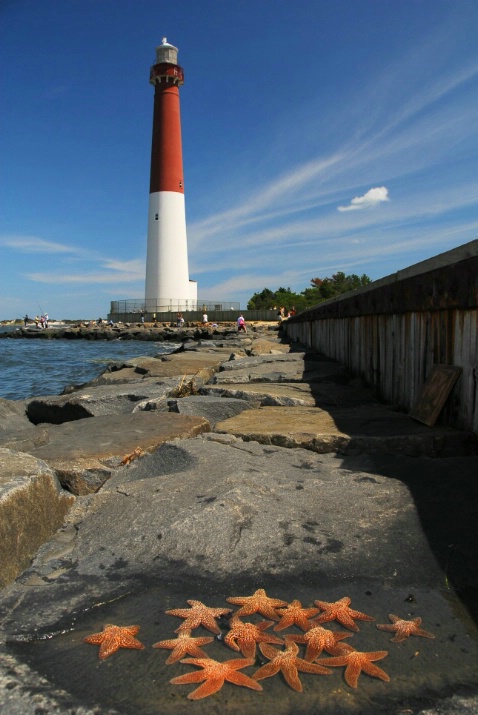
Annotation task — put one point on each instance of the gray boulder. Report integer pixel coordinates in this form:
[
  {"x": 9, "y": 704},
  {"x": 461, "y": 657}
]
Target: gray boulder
[
  {"x": 85, "y": 453},
  {"x": 93, "y": 401},
  {"x": 32, "y": 507}
]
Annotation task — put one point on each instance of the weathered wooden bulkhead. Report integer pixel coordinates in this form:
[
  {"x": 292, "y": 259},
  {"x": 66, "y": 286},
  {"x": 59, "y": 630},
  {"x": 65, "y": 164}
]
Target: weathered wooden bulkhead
[{"x": 394, "y": 330}]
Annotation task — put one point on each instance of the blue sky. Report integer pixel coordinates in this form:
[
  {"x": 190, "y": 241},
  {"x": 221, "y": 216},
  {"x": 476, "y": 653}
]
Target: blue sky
[{"x": 318, "y": 135}]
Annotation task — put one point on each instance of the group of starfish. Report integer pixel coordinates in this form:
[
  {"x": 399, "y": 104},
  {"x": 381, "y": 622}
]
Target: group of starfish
[{"x": 245, "y": 637}]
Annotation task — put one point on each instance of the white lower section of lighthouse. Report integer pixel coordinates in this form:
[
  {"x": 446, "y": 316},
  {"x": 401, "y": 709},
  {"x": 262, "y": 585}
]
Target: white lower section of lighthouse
[{"x": 167, "y": 275}]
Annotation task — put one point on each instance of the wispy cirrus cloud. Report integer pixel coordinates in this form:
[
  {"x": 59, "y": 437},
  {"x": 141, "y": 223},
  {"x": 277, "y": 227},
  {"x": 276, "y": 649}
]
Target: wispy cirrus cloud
[
  {"x": 34, "y": 244},
  {"x": 115, "y": 271},
  {"x": 111, "y": 270}
]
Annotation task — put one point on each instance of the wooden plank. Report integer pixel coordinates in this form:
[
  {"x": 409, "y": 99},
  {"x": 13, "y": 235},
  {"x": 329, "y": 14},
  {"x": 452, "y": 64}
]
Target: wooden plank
[{"x": 434, "y": 393}]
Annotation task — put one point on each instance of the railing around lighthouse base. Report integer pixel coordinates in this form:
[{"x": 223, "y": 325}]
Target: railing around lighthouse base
[{"x": 152, "y": 310}]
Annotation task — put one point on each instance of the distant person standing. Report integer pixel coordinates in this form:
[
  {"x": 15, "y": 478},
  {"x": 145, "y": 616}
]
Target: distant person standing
[
  {"x": 179, "y": 320},
  {"x": 204, "y": 319},
  {"x": 26, "y": 319},
  {"x": 46, "y": 320},
  {"x": 241, "y": 324}
]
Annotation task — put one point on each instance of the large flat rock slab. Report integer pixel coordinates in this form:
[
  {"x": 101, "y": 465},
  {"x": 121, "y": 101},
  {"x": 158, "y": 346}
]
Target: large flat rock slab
[
  {"x": 264, "y": 346},
  {"x": 84, "y": 453},
  {"x": 353, "y": 430},
  {"x": 199, "y": 364},
  {"x": 295, "y": 394},
  {"x": 93, "y": 401},
  {"x": 32, "y": 507},
  {"x": 284, "y": 368}
]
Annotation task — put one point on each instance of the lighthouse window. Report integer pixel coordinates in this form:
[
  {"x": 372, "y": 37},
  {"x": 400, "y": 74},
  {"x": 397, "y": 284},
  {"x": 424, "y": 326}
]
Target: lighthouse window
[
  {"x": 180, "y": 184},
  {"x": 156, "y": 217}
]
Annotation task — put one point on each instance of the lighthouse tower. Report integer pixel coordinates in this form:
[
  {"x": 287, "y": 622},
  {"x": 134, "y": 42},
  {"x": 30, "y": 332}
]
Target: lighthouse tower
[{"x": 167, "y": 276}]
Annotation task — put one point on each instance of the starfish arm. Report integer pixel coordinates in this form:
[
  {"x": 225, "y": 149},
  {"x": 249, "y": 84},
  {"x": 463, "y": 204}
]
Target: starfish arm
[
  {"x": 193, "y": 622},
  {"x": 230, "y": 640},
  {"x": 169, "y": 643},
  {"x": 307, "y": 667},
  {"x": 386, "y": 627},
  {"x": 269, "y": 651},
  {"x": 334, "y": 662},
  {"x": 179, "y": 612},
  {"x": 303, "y": 621},
  {"x": 130, "y": 642},
  {"x": 247, "y": 648},
  {"x": 269, "y": 612},
  {"x": 211, "y": 686},
  {"x": 243, "y": 679},
  {"x": 188, "y": 648},
  {"x": 296, "y": 638},
  {"x": 238, "y": 663},
  {"x": 270, "y": 638},
  {"x": 196, "y": 676},
  {"x": 359, "y": 616},
  {"x": 312, "y": 651},
  {"x": 267, "y": 671},
  {"x": 132, "y": 630},
  {"x": 285, "y": 622},
  {"x": 107, "y": 648},
  {"x": 351, "y": 675},
  {"x": 291, "y": 676},
  {"x": 94, "y": 639},
  {"x": 246, "y": 610},
  {"x": 425, "y": 634},
  {"x": 346, "y": 621},
  {"x": 399, "y": 637},
  {"x": 375, "y": 671}
]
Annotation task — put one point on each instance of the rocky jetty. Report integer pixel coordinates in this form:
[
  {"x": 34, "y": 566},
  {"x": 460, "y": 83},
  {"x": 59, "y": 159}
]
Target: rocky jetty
[
  {"x": 156, "y": 332},
  {"x": 234, "y": 464}
]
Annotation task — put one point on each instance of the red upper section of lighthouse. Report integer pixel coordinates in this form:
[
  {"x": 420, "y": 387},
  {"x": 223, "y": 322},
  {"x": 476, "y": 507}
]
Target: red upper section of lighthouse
[{"x": 166, "y": 151}]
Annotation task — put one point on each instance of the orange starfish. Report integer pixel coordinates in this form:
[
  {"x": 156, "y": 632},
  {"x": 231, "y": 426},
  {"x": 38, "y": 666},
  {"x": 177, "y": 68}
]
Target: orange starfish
[
  {"x": 199, "y": 615},
  {"x": 244, "y": 636},
  {"x": 215, "y": 673},
  {"x": 259, "y": 602},
  {"x": 356, "y": 661},
  {"x": 319, "y": 639},
  {"x": 404, "y": 629},
  {"x": 294, "y": 614},
  {"x": 112, "y": 638},
  {"x": 340, "y": 611},
  {"x": 183, "y": 645},
  {"x": 288, "y": 663}
]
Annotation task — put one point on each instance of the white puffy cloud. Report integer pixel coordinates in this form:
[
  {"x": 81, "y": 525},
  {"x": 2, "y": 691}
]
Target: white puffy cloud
[{"x": 372, "y": 198}]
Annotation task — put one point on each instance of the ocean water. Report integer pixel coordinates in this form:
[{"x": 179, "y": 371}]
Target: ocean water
[{"x": 33, "y": 367}]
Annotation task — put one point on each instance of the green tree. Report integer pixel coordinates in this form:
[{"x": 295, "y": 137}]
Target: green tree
[
  {"x": 262, "y": 301},
  {"x": 320, "y": 289}
]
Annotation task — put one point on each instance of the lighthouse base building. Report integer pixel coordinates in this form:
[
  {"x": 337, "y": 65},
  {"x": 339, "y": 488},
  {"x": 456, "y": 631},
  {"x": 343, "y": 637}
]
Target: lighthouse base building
[{"x": 168, "y": 286}]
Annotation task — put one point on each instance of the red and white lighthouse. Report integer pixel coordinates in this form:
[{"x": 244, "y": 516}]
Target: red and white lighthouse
[{"x": 167, "y": 276}]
